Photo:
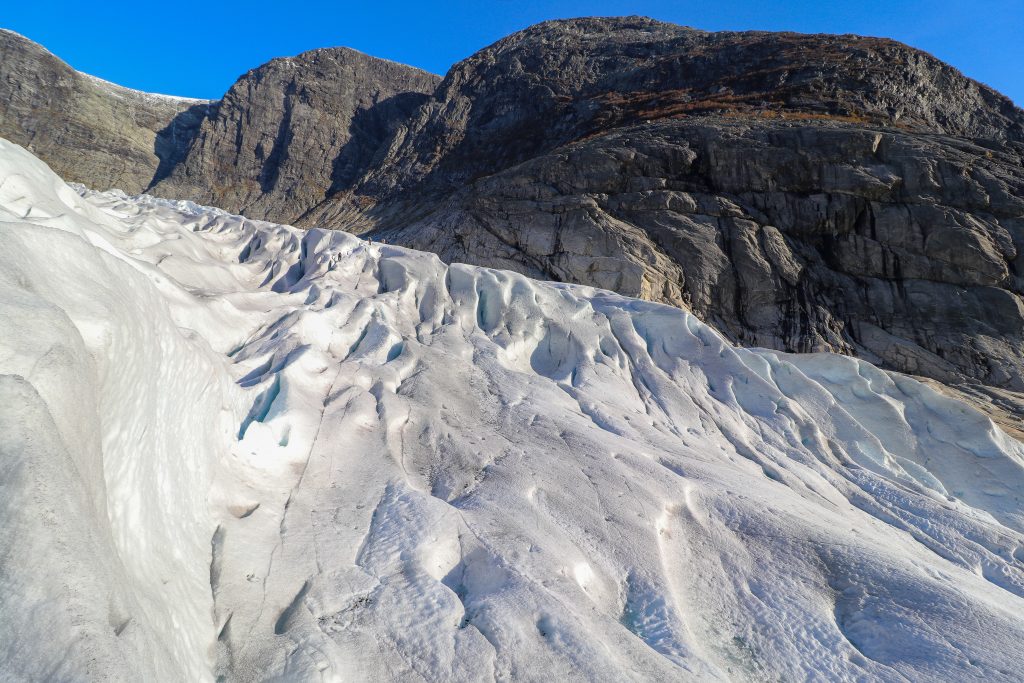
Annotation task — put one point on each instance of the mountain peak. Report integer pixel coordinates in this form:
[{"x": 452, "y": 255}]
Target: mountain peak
[{"x": 689, "y": 70}]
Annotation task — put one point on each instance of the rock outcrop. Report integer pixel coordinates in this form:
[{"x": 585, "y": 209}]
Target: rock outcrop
[
  {"x": 88, "y": 130},
  {"x": 292, "y": 132},
  {"x": 283, "y": 138},
  {"x": 561, "y": 81}
]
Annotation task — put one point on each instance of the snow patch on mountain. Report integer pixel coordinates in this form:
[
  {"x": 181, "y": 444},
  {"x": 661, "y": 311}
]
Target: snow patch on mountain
[
  {"x": 122, "y": 92},
  {"x": 239, "y": 449}
]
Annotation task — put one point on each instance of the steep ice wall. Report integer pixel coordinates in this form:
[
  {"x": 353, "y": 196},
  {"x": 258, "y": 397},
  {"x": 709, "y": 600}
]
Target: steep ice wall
[
  {"x": 373, "y": 466},
  {"x": 113, "y": 415}
]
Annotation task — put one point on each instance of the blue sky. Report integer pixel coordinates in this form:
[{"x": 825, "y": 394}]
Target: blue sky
[{"x": 198, "y": 49}]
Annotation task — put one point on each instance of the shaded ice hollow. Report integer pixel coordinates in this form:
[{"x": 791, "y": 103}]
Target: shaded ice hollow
[{"x": 238, "y": 450}]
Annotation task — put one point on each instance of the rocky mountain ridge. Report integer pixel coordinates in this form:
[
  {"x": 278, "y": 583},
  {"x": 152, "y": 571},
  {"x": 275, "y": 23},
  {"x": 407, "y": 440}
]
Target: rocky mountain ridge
[
  {"x": 283, "y": 135},
  {"x": 292, "y": 132},
  {"x": 89, "y": 130},
  {"x": 562, "y": 81}
]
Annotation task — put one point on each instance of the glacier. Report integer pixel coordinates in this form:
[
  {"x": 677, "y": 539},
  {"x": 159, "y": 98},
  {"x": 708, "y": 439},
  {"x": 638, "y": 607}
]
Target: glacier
[{"x": 241, "y": 451}]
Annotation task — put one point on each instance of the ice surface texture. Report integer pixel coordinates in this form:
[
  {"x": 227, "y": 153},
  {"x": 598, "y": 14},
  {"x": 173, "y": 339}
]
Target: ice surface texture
[{"x": 233, "y": 448}]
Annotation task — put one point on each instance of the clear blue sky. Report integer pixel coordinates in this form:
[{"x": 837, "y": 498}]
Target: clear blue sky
[{"x": 198, "y": 49}]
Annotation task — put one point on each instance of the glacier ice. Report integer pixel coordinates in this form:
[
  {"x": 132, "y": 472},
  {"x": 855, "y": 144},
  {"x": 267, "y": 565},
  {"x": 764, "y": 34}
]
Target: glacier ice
[{"x": 237, "y": 449}]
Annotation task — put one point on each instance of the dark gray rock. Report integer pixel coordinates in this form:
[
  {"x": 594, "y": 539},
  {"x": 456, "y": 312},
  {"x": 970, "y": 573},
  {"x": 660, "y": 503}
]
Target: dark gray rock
[
  {"x": 288, "y": 134},
  {"x": 284, "y": 137},
  {"x": 89, "y": 131},
  {"x": 561, "y": 81}
]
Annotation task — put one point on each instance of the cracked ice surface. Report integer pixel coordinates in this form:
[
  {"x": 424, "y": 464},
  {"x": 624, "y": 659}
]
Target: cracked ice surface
[{"x": 232, "y": 448}]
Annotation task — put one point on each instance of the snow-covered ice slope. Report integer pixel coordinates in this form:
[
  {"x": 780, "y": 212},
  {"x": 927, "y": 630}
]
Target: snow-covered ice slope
[{"x": 231, "y": 448}]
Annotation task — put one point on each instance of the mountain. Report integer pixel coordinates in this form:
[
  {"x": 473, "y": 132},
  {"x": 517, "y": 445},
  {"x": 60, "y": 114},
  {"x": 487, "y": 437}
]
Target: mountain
[
  {"x": 292, "y": 132},
  {"x": 799, "y": 192},
  {"x": 280, "y": 139},
  {"x": 88, "y": 130},
  {"x": 562, "y": 81},
  {"x": 245, "y": 451}
]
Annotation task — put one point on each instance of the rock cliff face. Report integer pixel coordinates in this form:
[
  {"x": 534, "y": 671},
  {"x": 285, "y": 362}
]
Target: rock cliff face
[
  {"x": 89, "y": 131},
  {"x": 800, "y": 192},
  {"x": 288, "y": 134},
  {"x": 560, "y": 81},
  {"x": 282, "y": 138}
]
